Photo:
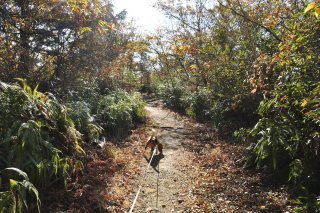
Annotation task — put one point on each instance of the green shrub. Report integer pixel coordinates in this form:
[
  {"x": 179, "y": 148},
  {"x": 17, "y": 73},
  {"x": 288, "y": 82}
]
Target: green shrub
[
  {"x": 200, "y": 103},
  {"x": 172, "y": 97},
  {"x": 80, "y": 114},
  {"x": 94, "y": 132},
  {"x": 38, "y": 136},
  {"x": 227, "y": 113},
  {"x": 138, "y": 112},
  {"x": 285, "y": 134},
  {"x": 217, "y": 117},
  {"x": 244, "y": 108},
  {"x": 83, "y": 121},
  {"x": 288, "y": 132},
  {"x": 308, "y": 204},
  {"x": 119, "y": 111}
]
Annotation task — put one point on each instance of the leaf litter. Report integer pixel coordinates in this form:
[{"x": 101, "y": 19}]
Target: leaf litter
[{"x": 199, "y": 173}]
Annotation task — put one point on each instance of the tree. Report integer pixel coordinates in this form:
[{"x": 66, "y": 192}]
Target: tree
[{"x": 40, "y": 39}]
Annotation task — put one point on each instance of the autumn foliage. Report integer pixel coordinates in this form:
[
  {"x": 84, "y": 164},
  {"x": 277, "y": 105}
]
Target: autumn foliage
[
  {"x": 250, "y": 69},
  {"x": 252, "y": 66}
]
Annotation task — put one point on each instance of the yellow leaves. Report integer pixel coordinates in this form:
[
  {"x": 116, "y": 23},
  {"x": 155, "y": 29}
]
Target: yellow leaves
[
  {"x": 13, "y": 183},
  {"x": 102, "y": 23},
  {"x": 104, "y": 26},
  {"x": 77, "y": 6},
  {"x": 193, "y": 66},
  {"x": 137, "y": 47},
  {"x": 292, "y": 36},
  {"x": 85, "y": 29},
  {"x": 73, "y": 5},
  {"x": 180, "y": 50},
  {"x": 270, "y": 24},
  {"x": 310, "y": 7},
  {"x": 84, "y": 3},
  {"x": 263, "y": 207},
  {"x": 207, "y": 65},
  {"x": 317, "y": 12},
  {"x": 315, "y": 7},
  {"x": 80, "y": 149},
  {"x": 72, "y": 138},
  {"x": 304, "y": 103},
  {"x": 174, "y": 47}
]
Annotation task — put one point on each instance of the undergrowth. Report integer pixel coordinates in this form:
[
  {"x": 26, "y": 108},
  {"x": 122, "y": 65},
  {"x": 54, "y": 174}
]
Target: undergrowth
[{"x": 41, "y": 139}]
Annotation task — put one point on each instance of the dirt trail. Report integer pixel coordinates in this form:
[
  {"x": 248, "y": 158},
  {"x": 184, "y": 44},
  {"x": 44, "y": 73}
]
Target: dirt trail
[
  {"x": 198, "y": 173},
  {"x": 169, "y": 189}
]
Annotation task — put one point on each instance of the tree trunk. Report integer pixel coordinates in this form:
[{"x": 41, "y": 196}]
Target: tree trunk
[{"x": 24, "y": 63}]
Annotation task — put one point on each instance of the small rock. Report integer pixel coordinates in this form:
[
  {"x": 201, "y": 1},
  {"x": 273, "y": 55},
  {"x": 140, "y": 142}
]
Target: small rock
[
  {"x": 149, "y": 209},
  {"x": 180, "y": 201}
]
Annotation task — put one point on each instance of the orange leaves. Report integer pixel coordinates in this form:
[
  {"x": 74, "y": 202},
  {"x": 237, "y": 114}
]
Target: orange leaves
[
  {"x": 45, "y": 98},
  {"x": 270, "y": 24},
  {"x": 254, "y": 90},
  {"x": 40, "y": 107},
  {"x": 253, "y": 83},
  {"x": 283, "y": 98},
  {"x": 191, "y": 49},
  {"x": 273, "y": 18}
]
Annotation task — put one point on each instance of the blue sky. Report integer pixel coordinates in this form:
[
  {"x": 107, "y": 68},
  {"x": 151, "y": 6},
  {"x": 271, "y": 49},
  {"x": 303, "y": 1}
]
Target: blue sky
[{"x": 146, "y": 17}]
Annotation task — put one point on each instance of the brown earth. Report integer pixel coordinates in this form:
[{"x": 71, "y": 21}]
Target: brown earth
[{"x": 199, "y": 172}]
